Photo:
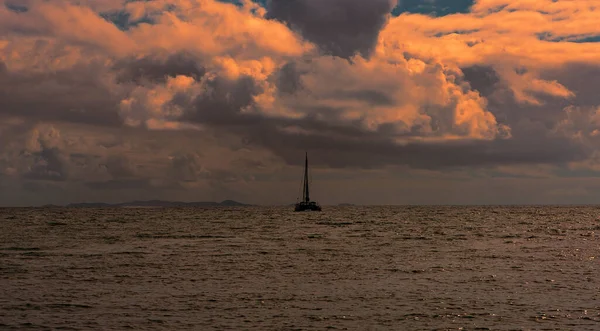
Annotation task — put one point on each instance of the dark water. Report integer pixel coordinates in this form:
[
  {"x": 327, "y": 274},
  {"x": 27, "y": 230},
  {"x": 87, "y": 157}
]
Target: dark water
[{"x": 351, "y": 268}]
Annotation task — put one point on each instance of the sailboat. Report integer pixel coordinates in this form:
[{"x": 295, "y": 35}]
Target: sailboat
[{"x": 306, "y": 204}]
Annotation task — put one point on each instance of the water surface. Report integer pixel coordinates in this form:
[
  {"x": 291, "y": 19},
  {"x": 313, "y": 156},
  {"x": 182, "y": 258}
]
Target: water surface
[{"x": 347, "y": 268}]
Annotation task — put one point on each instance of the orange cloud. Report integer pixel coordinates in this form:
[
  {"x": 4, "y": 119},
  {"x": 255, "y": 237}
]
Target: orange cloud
[
  {"x": 410, "y": 89},
  {"x": 154, "y": 107},
  {"x": 505, "y": 35},
  {"x": 73, "y": 25},
  {"x": 212, "y": 28},
  {"x": 413, "y": 96}
]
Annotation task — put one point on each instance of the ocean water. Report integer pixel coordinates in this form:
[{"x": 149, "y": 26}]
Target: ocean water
[{"x": 347, "y": 268}]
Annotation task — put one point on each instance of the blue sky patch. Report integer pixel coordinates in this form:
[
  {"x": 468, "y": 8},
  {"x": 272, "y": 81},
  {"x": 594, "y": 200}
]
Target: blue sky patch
[
  {"x": 16, "y": 8},
  {"x": 547, "y": 36},
  {"x": 122, "y": 19},
  {"x": 589, "y": 39},
  {"x": 239, "y": 2},
  {"x": 442, "y": 34},
  {"x": 428, "y": 7},
  {"x": 433, "y": 7}
]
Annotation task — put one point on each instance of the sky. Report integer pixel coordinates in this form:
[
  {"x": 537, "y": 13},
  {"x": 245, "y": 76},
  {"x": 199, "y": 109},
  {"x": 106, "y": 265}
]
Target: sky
[{"x": 396, "y": 102}]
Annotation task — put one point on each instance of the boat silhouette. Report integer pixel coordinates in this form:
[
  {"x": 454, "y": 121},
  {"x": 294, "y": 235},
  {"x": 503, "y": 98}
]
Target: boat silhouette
[{"x": 306, "y": 204}]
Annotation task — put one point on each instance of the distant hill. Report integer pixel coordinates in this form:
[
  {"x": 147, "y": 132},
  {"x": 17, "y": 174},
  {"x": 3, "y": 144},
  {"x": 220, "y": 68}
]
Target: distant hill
[{"x": 159, "y": 203}]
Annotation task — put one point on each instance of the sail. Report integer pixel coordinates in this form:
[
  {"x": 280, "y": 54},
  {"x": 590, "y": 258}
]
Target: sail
[{"x": 306, "y": 204}]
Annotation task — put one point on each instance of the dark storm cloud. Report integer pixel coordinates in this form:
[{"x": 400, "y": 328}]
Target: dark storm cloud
[
  {"x": 119, "y": 167},
  {"x": 376, "y": 150},
  {"x": 347, "y": 145},
  {"x": 185, "y": 168},
  {"x": 11, "y": 132},
  {"x": 581, "y": 78},
  {"x": 525, "y": 118},
  {"x": 340, "y": 27},
  {"x": 221, "y": 176},
  {"x": 121, "y": 184},
  {"x": 341, "y": 143},
  {"x": 221, "y": 107},
  {"x": 73, "y": 95},
  {"x": 249, "y": 165},
  {"x": 37, "y": 186},
  {"x": 288, "y": 78},
  {"x": 85, "y": 93},
  {"x": 483, "y": 79},
  {"x": 156, "y": 69},
  {"x": 373, "y": 97},
  {"x": 223, "y": 100},
  {"x": 49, "y": 164}
]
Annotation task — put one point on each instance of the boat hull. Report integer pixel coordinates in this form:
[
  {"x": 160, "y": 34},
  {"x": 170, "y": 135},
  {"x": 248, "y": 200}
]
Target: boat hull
[{"x": 303, "y": 206}]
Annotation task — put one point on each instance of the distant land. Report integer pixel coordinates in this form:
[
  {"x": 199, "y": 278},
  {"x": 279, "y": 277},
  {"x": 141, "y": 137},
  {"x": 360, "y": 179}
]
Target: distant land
[
  {"x": 159, "y": 203},
  {"x": 338, "y": 205}
]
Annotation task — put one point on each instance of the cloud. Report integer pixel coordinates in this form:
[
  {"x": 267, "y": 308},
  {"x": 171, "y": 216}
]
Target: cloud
[
  {"x": 157, "y": 67},
  {"x": 186, "y": 167},
  {"x": 340, "y": 27},
  {"x": 82, "y": 93},
  {"x": 223, "y": 29},
  {"x": 166, "y": 97},
  {"x": 159, "y": 106},
  {"x": 75, "y": 24}
]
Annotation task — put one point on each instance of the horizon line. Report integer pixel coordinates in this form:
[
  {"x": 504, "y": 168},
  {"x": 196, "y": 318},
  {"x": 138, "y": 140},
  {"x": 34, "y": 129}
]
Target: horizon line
[{"x": 243, "y": 204}]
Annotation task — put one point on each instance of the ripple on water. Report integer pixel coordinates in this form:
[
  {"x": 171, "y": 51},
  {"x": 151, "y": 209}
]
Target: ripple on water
[{"x": 355, "y": 268}]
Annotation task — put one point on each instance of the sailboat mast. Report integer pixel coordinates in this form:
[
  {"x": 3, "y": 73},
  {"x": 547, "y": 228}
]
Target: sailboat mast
[{"x": 306, "y": 193}]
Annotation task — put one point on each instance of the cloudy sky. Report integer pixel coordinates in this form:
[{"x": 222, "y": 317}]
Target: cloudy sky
[{"x": 409, "y": 102}]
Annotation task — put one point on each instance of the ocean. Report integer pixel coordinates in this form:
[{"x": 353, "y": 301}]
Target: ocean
[{"x": 259, "y": 268}]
